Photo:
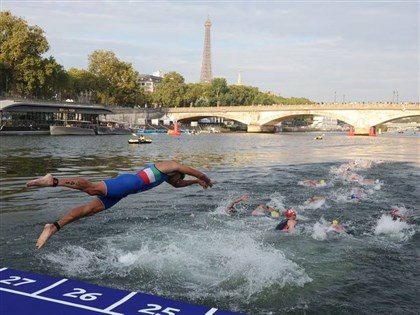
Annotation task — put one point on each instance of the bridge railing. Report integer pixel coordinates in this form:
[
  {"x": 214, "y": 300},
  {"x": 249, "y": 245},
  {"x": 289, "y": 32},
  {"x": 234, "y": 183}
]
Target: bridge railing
[{"x": 277, "y": 107}]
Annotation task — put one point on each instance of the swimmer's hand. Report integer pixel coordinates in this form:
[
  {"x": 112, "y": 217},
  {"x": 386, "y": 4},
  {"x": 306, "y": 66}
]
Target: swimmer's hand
[
  {"x": 206, "y": 180},
  {"x": 205, "y": 184}
]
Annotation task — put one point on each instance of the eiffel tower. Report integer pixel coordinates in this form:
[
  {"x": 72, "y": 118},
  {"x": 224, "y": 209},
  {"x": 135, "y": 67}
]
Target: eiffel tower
[{"x": 206, "y": 74}]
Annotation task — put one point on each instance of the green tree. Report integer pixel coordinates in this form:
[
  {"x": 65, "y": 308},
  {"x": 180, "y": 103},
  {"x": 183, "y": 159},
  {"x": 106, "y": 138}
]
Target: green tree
[
  {"x": 217, "y": 90},
  {"x": 56, "y": 79},
  {"x": 21, "y": 48},
  {"x": 266, "y": 99},
  {"x": 297, "y": 101},
  {"x": 193, "y": 93},
  {"x": 81, "y": 81},
  {"x": 171, "y": 91},
  {"x": 5, "y": 78},
  {"x": 116, "y": 80},
  {"x": 240, "y": 95}
]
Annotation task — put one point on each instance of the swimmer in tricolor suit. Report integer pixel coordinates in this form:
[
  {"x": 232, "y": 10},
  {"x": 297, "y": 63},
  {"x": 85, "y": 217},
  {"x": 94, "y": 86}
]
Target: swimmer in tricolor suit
[{"x": 110, "y": 191}]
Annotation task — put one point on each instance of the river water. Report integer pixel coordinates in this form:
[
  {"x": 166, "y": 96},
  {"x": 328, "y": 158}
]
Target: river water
[{"x": 180, "y": 243}]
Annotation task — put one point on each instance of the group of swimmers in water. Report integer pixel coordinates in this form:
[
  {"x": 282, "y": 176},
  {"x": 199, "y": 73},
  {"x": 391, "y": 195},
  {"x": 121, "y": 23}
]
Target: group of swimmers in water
[
  {"x": 346, "y": 173},
  {"x": 287, "y": 224}
]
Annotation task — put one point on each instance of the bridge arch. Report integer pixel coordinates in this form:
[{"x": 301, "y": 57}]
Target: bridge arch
[
  {"x": 284, "y": 116},
  {"x": 198, "y": 117}
]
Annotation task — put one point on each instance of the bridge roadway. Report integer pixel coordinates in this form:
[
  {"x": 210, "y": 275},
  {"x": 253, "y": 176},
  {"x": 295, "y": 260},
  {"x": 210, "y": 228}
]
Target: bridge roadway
[{"x": 260, "y": 118}]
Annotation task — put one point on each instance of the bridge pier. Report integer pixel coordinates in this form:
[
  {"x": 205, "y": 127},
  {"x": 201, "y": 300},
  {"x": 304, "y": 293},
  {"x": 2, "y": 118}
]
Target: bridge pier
[
  {"x": 362, "y": 131},
  {"x": 260, "y": 129}
]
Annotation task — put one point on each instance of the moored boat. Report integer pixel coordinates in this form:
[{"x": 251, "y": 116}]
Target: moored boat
[
  {"x": 112, "y": 128},
  {"x": 35, "y": 118},
  {"x": 22, "y": 130},
  {"x": 73, "y": 127}
]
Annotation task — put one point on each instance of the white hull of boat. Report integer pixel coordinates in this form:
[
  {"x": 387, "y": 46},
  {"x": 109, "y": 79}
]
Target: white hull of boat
[{"x": 76, "y": 131}]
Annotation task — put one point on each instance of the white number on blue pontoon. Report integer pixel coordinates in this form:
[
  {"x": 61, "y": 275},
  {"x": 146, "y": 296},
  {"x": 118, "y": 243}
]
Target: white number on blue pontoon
[
  {"x": 83, "y": 295},
  {"x": 155, "y": 307},
  {"x": 13, "y": 279}
]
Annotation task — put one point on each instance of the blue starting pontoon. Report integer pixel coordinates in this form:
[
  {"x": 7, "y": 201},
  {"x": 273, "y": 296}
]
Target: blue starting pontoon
[{"x": 26, "y": 293}]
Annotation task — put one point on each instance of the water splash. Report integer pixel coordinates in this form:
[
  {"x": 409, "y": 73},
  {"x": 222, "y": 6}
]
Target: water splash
[
  {"x": 395, "y": 230},
  {"x": 203, "y": 263}
]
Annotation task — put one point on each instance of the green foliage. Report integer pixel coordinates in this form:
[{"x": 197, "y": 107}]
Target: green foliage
[
  {"x": 297, "y": 101},
  {"x": 56, "y": 78},
  {"x": 193, "y": 94},
  {"x": 241, "y": 95},
  {"x": 116, "y": 80},
  {"x": 81, "y": 82},
  {"x": 217, "y": 91},
  {"x": 171, "y": 91},
  {"x": 21, "y": 49}
]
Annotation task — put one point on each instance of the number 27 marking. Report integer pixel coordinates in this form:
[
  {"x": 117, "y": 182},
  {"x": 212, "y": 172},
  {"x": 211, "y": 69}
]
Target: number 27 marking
[{"x": 13, "y": 281}]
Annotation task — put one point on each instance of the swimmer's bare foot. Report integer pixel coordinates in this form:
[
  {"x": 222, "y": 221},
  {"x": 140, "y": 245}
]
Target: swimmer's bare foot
[
  {"x": 46, "y": 181},
  {"x": 47, "y": 232}
]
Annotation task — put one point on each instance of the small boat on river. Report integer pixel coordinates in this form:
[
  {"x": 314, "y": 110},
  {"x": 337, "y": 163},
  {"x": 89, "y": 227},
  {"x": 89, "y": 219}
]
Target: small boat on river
[{"x": 139, "y": 141}]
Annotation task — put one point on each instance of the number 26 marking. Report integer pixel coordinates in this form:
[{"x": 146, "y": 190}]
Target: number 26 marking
[
  {"x": 83, "y": 295},
  {"x": 155, "y": 307},
  {"x": 13, "y": 281}
]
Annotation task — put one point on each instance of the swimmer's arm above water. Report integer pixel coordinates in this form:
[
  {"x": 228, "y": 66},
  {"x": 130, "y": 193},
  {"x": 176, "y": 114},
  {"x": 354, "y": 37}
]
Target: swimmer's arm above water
[
  {"x": 173, "y": 167},
  {"x": 179, "y": 183}
]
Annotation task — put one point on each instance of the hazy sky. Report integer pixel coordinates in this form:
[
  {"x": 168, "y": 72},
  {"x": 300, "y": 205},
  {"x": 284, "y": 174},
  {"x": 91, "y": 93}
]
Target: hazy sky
[{"x": 351, "y": 50}]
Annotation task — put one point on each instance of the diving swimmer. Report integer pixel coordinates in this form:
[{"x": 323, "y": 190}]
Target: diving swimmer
[{"x": 110, "y": 191}]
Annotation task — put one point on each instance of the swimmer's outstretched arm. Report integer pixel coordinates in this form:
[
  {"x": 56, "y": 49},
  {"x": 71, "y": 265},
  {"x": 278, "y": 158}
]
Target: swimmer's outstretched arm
[
  {"x": 257, "y": 210},
  {"x": 187, "y": 182},
  {"x": 169, "y": 167},
  {"x": 232, "y": 204}
]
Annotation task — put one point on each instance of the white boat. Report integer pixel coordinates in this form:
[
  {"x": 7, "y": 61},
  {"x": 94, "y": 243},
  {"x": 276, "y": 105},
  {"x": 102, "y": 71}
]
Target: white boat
[
  {"x": 35, "y": 118},
  {"x": 73, "y": 127},
  {"x": 110, "y": 127}
]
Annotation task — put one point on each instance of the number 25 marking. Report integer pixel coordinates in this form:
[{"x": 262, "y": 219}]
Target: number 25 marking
[
  {"x": 13, "y": 279},
  {"x": 155, "y": 307}
]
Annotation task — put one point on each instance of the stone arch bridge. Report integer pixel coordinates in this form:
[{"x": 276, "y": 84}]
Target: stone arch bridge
[{"x": 362, "y": 117}]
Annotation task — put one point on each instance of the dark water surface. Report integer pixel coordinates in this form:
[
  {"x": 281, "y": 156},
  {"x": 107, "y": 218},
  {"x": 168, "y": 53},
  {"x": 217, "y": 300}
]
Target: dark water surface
[{"x": 179, "y": 243}]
